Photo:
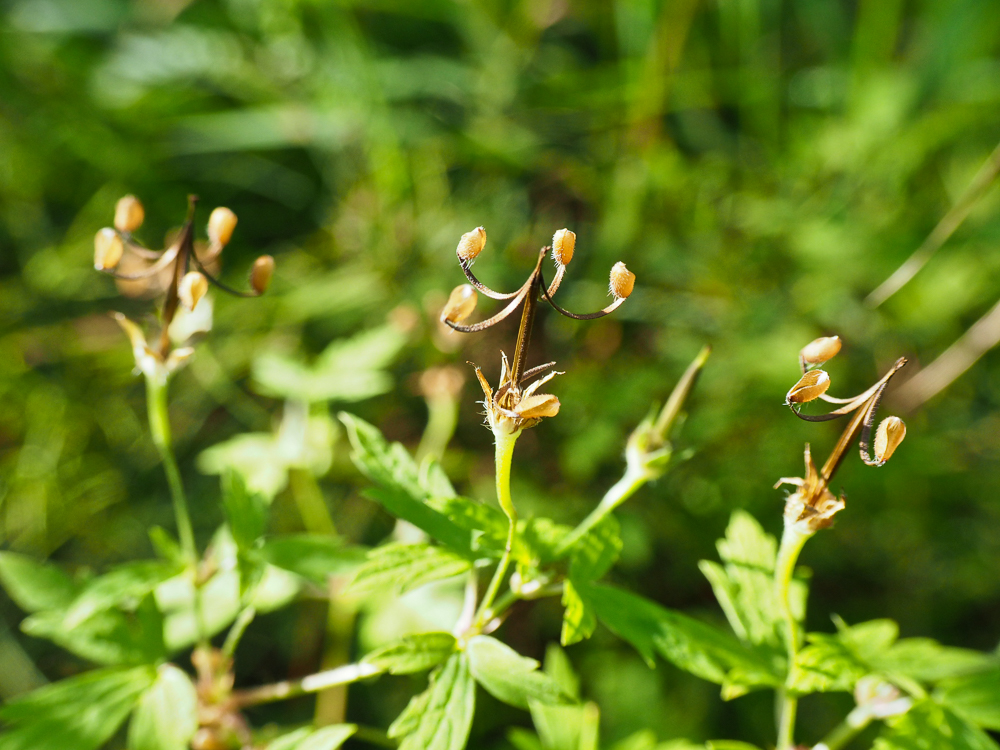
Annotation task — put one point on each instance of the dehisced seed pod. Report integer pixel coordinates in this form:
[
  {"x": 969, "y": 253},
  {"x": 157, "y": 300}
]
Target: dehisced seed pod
[
  {"x": 622, "y": 281},
  {"x": 811, "y": 386},
  {"x": 889, "y": 435},
  {"x": 221, "y": 224},
  {"x": 108, "y": 249},
  {"x": 819, "y": 351},
  {"x": 460, "y": 305},
  {"x": 563, "y": 244},
  {"x": 471, "y": 244},
  {"x": 260, "y": 274},
  {"x": 129, "y": 214}
]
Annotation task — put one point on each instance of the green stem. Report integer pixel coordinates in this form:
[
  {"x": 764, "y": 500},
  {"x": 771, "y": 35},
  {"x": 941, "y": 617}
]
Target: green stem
[
  {"x": 159, "y": 425},
  {"x": 791, "y": 545},
  {"x": 504, "y": 455},
  {"x": 236, "y": 632},
  {"x": 847, "y": 730},
  {"x": 313, "y": 683},
  {"x": 633, "y": 478}
]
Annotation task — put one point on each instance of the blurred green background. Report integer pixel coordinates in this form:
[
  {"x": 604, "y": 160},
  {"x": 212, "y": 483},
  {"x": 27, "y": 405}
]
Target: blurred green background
[{"x": 761, "y": 166}]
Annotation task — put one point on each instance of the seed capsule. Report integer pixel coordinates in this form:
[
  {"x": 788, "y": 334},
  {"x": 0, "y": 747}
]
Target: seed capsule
[
  {"x": 622, "y": 281},
  {"x": 221, "y": 224},
  {"x": 538, "y": 405},
  {"x": 811, "y": 386},
  {"x": 108, "y": 249},
  {"x": 129, "y": 214},
  {"x": 191, "y": 289},
  {"x": 819, "y": 351},
  {"x": 460, "y": 305},
  {"x": 471, "y": 244},
  {"x": 889, "y": 435},
  {"x": 563, "y": 244},
  {"x": 260, "y": 274}
]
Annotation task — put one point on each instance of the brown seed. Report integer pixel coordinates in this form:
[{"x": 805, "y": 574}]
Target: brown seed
[
  {"x": 622, "y": 281},
  {"x": 191, "y": 289},
  {"x": 108, "y": 249},
  {"x": 471, "y": 244},
  {"x": 129, "y": 214},
  {"x": 563, "y": 244},
  {"x": 819, "y": 351},
  {"x": 260, "y": 274},
  {"x": 889, "y": 435},
  {"x": 221, "y": 224},
  {"x": 538, "y": 405},
  {"x": 460, "y": 305},
  {"x": 811, "y": 386}
]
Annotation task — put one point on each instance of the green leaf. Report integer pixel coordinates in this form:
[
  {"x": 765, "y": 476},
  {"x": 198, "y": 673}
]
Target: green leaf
[
  {"x": 508, "y": 676},
  {"x": 826, "y": 664},
  {"x": 79, "y": 713},
  {"x": 597, "y": 551},
  {"x": 312, "y": 556},
  {"x": 123, "y": 586},
  {"x": 579, "y": 618},
  {"x": 439, "y": 718},
  {"x": 399, "y": 567},
  {"x": 485, "y": 525},
  {"x": 975, "y": 697},
  {"x": 327, "y": 738},
  {"x": 566, "y": 727},
  {"x": 246, "y": 512},
  {"x": 926, "y": 660},
  {"x": 729, "y": 745},
  {"x": 167, "y": 715},
  {"x": 413, "y": 653},
  {"x": 400, "y": 487},
  {"x": 868, "y": 640},
  {"x": 558, "y": 667},
  {"x": 35, "y": 586},
  {"x": 690, "y": 644},
  {"x": 928, "y": 726}
]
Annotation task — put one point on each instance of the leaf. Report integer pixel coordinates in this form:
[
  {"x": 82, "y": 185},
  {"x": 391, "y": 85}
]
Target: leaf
[
  {"x": 597, "y": 551},
  {"x": 35, "y": 586},
  {"x": 558, "y": 667},
  {"x": 312, "y": 556},
  {"x": 826, "y": 664},
  {"x": 975, "y": 697},
  {"x": 868, "y": 640},
  {"x": 79, "y": 713},
  {"x": 485, "y": 525},
  {"x": 926, "y": 660},
  {"x": 928, "y": 726},
  {"x": 690, "y": 644},
  {"x": 246, "y": 511},
  {"x": 579, "y": 618},
  {"x": 413, "y": 653},
  {"x": 439, "y": 718},
  {"x": 123, "y": 586},
  {"x": 566, "y": 727},
  {"x": 508, "y": 676},
  {"x": 167, "y": 715},
  {"x": 400, "y": 489},
  {"x": 399, "y": 567},
  {"x": 327, "y": 738}
]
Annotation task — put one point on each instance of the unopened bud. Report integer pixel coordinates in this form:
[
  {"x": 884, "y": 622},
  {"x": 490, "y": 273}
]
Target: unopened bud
[
  {"x": 889, "y": 435},
  {"x": 129, "y": 214},
  {"x": 563, "y": 244},
  {"x": 622, "y": 281},
  {"x": 471, "y": 244},
  {"x": 221, "y": 224},
  {"x": 108, "y": 249},
  {"x": 461, "y": 302},
  {"x": 811, "y": 386},
  {"x": 819, "y": 351},
  {"x": 260, "y": 274},
  {"x": 191, "y": 289}
]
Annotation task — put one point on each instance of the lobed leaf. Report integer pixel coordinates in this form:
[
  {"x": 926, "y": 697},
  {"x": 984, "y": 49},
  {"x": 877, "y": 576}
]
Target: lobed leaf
[
  {"x": 399, "y": 567},
  {"x": 167, "y": 715},
  {"x": 508, "y": 676},
  {"x": 413, "y": 653},
  {"x": 975, "y": 697},
  {"x": 35, "y": 586},
  {"x": 312, "y": 556},
  {"x": 440, "y": 717},
  {"x": 928, "y": 726}
]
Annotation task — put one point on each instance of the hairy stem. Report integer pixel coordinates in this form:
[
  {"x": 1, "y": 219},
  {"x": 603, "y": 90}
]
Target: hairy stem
[
  {"x": 313, "y": 683},
  {"x": 791, "y": 545}
]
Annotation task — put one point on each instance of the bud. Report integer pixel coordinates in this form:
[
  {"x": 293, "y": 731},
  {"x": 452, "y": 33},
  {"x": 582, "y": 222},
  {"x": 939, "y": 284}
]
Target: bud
[
  {"x": 622, "y": 281},
  {"x": 563, "y": 244},
  {"x": 191, "y": 289},
  {"x": 889, "y": 435},
  {"x": 461, "y": 302},
  {"x": 260, "y": 274},
  {"x": 811, "y": 386},
  {"x": 108, "y": 249},
  {"x": 471, "y": 244},
  {"x": 221, "y": 224},
  {"x": 819, "y": 351},
  {"x": 129, "y": 214}
]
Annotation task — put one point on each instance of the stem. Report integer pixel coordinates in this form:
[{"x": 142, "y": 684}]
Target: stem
[
  {"x": 846, "y": 730},
  {"x": 159, "y": 425},
  {"x": 504, "y": 455},
  {"x": 633, "y": 478},
  {"x": 311, "y": 684},
  {"x": 236, "y": 632},
  {"x": 791, "y": 545}
]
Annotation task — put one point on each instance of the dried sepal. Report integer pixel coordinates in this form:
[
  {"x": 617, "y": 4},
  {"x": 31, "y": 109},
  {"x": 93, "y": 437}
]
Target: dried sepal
[
  {"x": 811, "y": 386},
  {"x": 192, "y": 288},
  {"x": 460, "y": 305},
  {"x": 811, "y": 506},
  {"x": 889, "y": 435},
  {"x": 622, "y": 281},
  {"x": 129, "y": 214},
  {"x": 471, "y": 244},
  {"x": 108, "y": 249},
  {"x": 820, "y": 350},
  {"x": 221, "y": 224},
  {"x": 260, "y": 274},
  {"x": 563, "y": 244}
]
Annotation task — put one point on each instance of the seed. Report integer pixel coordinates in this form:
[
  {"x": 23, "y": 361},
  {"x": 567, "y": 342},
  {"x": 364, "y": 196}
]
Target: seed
[
  {"x": 129, "y": 214},
  {"x": 819, "y": 351},
  {"x": 471, "y": 244},
  {"x": 622, "y": 281},
  {"x": 221, "y": 224},
  {"x": 563, "y": 244},
  {"x": 811, "y": 386},
  {"x": 460, "y": 305},
  {"x": 260, "y": 274},
  {"x": 191, "y": 289},
  {"x": 889, "y": 435},
  {"x": 108, "y": 249}
]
